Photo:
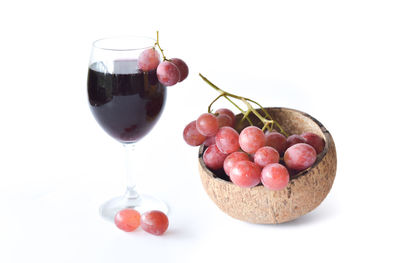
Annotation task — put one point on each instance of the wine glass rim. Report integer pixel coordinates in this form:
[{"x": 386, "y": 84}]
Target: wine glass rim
[{"x": 97, "y": 43}]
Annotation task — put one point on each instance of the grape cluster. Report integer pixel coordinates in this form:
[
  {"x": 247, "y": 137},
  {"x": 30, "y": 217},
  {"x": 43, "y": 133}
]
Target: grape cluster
[
  {"x": 252, "y": 157},
  {"x": 154, "y": 222},
  {"x": 169, "y": 71}
]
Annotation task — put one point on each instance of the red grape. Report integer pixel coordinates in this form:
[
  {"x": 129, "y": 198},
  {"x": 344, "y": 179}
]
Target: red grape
[
  {"x": 154, "y": 222},
  {"x": 148, "y": 59},
  {"x": 300, "y": 156},
  {"x": 167, "y": 73},
  {"x": 209, "y": 140},
  {"x": 294, "y": 139},
  {"x": 214, "y": 158},
  {"x": 275, "y": 176},
  {"x": 224, "y": 120},
  {"x": 276, "y": 140},
  {"x": 315, "y": 141},
  {"x": 233, "y": 158},
  {"x": 227, "y": 140},
  {"x": 227, "y": 112},
  {"x": 245, "y": 174},
  {"x": 207, "y": 124},
  {"x": 266, "y": 155},
  {"x": 251, "y": 139},
  {"x": 127, "y": 219},
  {"x": 192, "y": 136},
  {"x": 183, "y": 68}
]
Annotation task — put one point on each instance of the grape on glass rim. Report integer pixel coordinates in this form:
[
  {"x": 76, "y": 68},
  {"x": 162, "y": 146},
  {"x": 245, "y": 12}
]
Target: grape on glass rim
[
  {"x": 233, "y": 158},
  {"x": 213, "y": 158},
  {"x": 168, "y": 73},
  {"x": 148, "y": 59},
  {"x": 154, "y": 222},
  {"x": 227, "y": 140},
  {"x": 183, "y": 68},
  {"x": 251, "y": 139},
  {"x": 127, "y": 219},
  {"x": 245, "y": 174},
  {"x": 207, "y": 124},
  {"x": 300, "y": 156},
  {"x": 275, "y": 176},
  {"x": 192, "y": 136}
]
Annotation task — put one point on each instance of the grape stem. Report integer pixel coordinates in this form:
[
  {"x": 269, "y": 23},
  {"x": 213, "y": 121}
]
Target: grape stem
[
  {"x": 157, "y": 44},
  {"x": 268, "y": 122}
]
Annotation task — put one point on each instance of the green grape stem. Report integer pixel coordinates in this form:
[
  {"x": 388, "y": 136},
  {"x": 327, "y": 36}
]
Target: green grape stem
[
  {"x": 157, "y": 44},
  {"x": 267, "y": 120}
]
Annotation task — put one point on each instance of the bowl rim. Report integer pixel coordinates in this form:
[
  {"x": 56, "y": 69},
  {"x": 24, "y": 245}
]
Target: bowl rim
[{"x": 320, "y": 157}]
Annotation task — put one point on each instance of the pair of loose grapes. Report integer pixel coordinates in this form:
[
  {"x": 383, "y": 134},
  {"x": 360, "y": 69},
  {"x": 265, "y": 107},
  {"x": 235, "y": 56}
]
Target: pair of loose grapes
[
  {"x": 260, "y": 155},
  {"x": 169, "y": 72},
  {"x": 154, "y": 222}
]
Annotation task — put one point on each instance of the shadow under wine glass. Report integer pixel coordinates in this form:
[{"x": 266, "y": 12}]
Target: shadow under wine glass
[{"x": 127, "y": 103}]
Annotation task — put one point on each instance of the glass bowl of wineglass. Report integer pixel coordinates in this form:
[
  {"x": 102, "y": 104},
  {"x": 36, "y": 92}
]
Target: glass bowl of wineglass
[{"x": 127, "y": 103}]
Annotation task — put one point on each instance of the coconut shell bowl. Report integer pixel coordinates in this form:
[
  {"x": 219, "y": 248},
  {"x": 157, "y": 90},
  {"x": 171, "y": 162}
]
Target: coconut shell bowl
[{"x": 304, "y": 192}]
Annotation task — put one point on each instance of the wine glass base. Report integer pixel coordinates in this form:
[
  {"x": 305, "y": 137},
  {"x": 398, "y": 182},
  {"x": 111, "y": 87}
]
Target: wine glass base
[{"x": 142, "y": 203}]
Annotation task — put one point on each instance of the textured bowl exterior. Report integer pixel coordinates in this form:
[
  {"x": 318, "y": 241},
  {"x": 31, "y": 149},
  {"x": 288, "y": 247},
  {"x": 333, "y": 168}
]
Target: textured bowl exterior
[{"x": 303, "y": 193}]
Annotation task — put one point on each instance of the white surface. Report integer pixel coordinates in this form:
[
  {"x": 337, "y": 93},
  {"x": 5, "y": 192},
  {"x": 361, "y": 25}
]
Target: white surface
[{"x": 336, "y": 60}]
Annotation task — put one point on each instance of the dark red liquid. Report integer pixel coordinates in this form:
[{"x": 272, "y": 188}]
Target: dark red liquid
[{"x": 126, "y": 103}]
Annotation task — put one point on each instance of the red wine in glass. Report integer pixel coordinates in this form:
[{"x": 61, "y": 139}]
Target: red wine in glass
[{"x": 126, "y": 103}]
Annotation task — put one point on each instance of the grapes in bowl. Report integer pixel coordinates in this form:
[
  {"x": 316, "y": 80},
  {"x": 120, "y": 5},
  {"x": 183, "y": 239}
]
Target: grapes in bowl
[{"x": 293, "y": 185}]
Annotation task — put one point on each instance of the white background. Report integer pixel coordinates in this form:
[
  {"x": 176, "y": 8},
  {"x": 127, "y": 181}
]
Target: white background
[{"x": 337, "y": 60}]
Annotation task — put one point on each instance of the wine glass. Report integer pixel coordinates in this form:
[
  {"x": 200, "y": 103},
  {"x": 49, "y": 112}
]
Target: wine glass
[{"x": 127, "y": 103}]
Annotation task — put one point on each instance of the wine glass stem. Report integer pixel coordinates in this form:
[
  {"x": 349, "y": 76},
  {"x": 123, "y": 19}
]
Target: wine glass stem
[{"x": 131, "y": 192}]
